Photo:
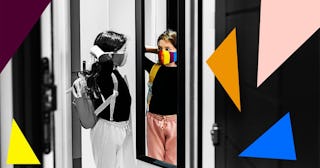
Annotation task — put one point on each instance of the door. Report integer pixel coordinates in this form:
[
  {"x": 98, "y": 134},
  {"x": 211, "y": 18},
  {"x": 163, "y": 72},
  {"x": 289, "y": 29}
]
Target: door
[
  {"x": 286, "y": 90},
  {"x": 26, "y": 92}
]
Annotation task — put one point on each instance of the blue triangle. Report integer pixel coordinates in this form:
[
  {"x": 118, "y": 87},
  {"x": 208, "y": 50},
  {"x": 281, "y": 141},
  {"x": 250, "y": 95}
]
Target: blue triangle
[{"x": 275, "y": 143}]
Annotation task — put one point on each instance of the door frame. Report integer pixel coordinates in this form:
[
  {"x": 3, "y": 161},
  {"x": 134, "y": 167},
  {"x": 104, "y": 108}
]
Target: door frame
[{"x": 62, "y": 70}]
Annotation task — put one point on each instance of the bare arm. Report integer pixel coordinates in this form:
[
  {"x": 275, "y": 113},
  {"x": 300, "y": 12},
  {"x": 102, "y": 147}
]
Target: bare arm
[
  {"x": 146, "y": 62},
  {"x": 151, "y": 49}
]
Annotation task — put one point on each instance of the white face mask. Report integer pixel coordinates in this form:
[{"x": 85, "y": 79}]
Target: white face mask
[{"x": 118, "y": 58}]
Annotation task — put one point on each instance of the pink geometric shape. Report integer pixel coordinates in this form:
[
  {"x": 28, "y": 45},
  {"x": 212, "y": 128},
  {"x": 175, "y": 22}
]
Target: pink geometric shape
[{"x": 284, "y": 26}]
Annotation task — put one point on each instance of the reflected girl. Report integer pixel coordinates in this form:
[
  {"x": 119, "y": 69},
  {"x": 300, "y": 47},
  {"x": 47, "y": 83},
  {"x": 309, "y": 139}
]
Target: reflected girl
[{"x": 162, "y": 103}]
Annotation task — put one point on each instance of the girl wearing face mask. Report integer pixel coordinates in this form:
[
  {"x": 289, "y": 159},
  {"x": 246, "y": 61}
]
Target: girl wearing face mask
[
  {"x": 162, "y": 107},
  {"x": 111, "y": 136}
]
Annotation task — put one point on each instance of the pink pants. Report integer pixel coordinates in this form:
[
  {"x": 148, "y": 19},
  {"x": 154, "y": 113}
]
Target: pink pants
[{"x": 162, "y": 137}]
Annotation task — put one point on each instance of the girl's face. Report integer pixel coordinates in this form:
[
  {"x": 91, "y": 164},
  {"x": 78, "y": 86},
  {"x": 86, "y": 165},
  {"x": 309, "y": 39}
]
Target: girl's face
[{"x": 166, "y": 45}]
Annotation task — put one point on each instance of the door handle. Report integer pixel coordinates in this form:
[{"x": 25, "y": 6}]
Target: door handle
[
  {"x": 48, "y": 104},
  {"x": 215, "y": 134}
]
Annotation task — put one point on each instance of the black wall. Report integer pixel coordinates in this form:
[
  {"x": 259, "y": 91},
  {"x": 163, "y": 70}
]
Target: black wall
[{"x": 293, "y": 88}]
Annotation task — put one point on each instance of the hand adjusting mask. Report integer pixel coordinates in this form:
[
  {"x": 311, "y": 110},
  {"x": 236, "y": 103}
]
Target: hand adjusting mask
[{"x": 118, "y": 58}]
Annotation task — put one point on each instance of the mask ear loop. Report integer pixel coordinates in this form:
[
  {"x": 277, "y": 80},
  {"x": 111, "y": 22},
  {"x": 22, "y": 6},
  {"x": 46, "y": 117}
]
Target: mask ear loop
[
  {"x": 125, "y": 55},
  {"x": 97, "y": 52}
]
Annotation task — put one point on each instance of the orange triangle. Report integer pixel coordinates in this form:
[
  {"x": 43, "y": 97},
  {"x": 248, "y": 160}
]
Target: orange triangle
[{"x": 224, "y": 64}]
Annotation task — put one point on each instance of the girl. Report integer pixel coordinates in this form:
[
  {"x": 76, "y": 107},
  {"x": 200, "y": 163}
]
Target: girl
[
  {"x": 111, "y": 136},
  {"x": 162, "y": 110}
]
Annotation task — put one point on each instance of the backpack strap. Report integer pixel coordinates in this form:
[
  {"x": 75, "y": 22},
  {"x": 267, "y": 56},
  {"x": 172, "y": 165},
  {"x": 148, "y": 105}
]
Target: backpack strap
[
  {"x": 153, "y": 72},
  {"x": 126, "y": 80},
  {"x": 152, "y": 75},
  {"x": 114, "y": 95},
  {"x": 111, "y": 100}
]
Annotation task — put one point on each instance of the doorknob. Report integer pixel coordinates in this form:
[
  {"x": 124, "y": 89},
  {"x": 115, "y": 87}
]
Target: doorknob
[{"x": 215, "y": 134}]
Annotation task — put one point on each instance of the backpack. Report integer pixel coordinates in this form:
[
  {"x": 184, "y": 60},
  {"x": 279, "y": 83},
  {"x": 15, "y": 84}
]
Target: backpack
[
  {"x": 152, "y": 75},
  {"x": 87, "y": 114}
]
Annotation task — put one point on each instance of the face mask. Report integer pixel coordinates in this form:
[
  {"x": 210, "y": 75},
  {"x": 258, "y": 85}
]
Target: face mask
[
  {"x": 166, "y": 57},
  {"x": 118, "y": 59}
]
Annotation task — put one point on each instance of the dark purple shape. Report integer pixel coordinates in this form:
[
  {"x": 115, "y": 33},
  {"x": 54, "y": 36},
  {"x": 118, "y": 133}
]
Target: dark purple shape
[{"x": 17, "y": 18}]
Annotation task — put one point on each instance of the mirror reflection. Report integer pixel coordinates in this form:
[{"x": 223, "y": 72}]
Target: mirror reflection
[{"x": 160, "y": 65}]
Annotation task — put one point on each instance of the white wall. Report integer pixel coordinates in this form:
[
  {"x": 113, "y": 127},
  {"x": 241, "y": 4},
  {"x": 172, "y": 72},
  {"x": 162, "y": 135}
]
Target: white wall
[
  {"x": 6, "y": 113},
  {"x": 62, "y": 71},
  {"x": 155, "y": 23},
  {"x": 208, "y": 42},
  {"x": 93, "y": 20},
  {"x": 155, "y": 20}
]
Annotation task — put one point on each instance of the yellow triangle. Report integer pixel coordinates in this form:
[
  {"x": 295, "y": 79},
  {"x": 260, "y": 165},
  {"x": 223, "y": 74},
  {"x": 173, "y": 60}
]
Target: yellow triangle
[
  {"x": 20, "y": 151},
  {"x": 224, "y": 64}
]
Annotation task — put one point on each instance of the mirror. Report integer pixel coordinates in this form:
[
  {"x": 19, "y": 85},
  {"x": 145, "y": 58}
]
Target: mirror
[{"x": 160, "y": 113}]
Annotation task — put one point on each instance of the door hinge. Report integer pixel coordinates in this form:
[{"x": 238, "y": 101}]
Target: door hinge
[{"x": 48, "y": 104}]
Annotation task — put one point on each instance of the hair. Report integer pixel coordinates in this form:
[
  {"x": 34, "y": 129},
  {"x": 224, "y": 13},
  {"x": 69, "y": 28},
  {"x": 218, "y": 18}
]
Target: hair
[
  {"x": 110, "y": 41},
  {"x": 169, "y": 35}
]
